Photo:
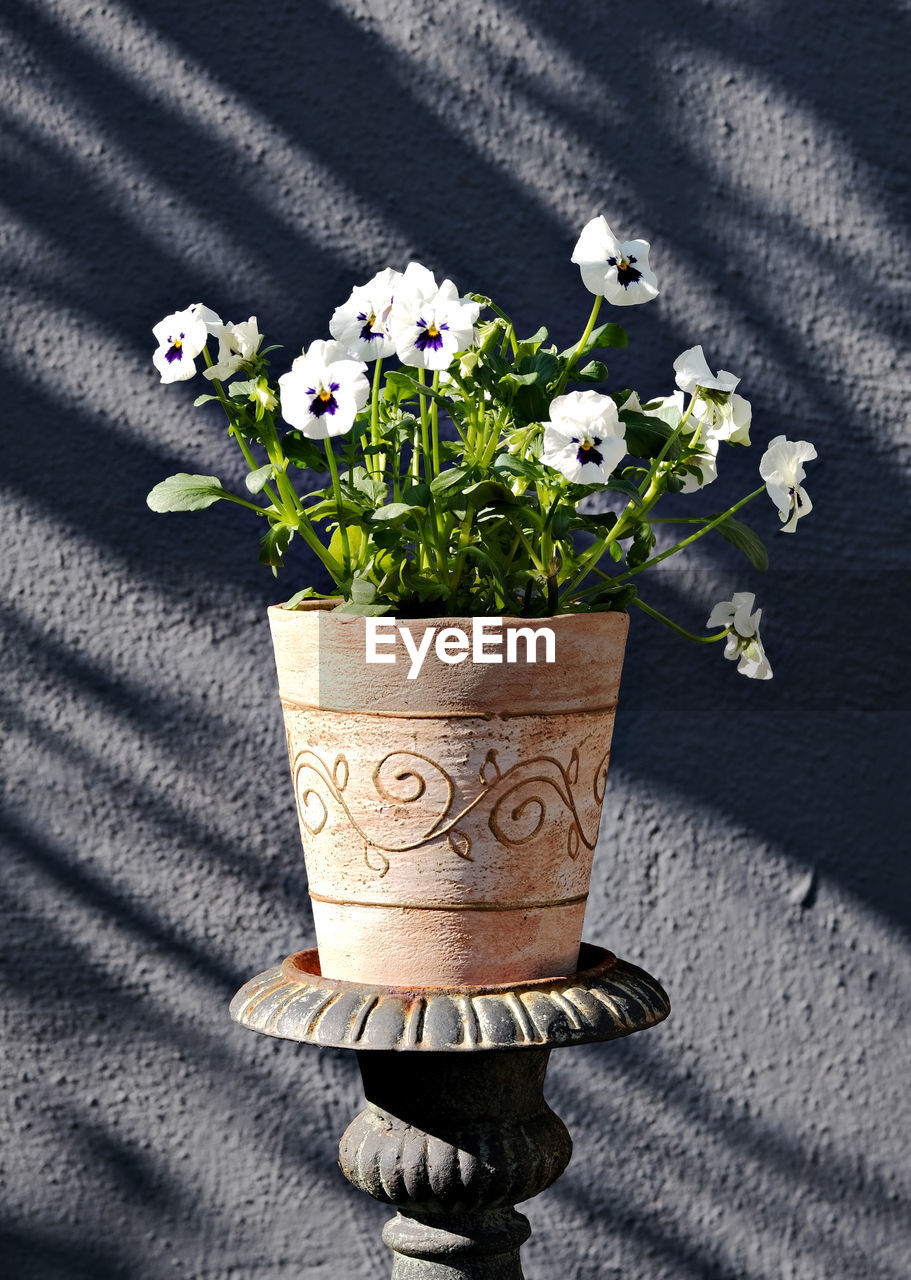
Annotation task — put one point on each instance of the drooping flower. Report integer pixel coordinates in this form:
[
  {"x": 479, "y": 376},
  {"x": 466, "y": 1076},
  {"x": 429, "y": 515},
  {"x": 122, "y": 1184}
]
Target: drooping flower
[
  {"x": 237, "y": 343},
  {"x": 693, "y": 372},
  {"x": 362, "y": 323},
  {"x": 718, "y": 413},
  {"x": 262, "y": 396},
  {"x": 617, "y": 270},
  {"x": 324, "y": 390},
  {"x": 584, "y": 437},
  {"x": 670, "y": 410},
  {"x": 430, "y": 324},
  {"x": 718, "y": 416},
  {"x": 743, "y": 642},
  {"x": 781, "y": 467},
  {"x": 181, "y": 336}
]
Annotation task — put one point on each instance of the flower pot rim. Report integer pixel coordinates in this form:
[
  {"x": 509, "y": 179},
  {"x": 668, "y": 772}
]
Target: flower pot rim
[
  {"x": 304, "y": 967},
  {"x": 329, "y": 604}
]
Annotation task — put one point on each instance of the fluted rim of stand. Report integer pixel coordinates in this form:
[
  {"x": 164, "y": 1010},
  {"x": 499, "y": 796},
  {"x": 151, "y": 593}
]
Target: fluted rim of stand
[{"x": 606, "y": 999}]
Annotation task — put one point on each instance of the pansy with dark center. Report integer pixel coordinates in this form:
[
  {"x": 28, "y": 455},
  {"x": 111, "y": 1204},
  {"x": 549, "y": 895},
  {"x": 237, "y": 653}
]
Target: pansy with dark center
[
  {"x": 175, "y": 350},
  {"x": 588, "y": 450},
  {"x": 369, "y": 320},
  {"x": 324, "y": 400},
  {"x": 430, "y": 335},
  {"x": 627, "y": 274}
]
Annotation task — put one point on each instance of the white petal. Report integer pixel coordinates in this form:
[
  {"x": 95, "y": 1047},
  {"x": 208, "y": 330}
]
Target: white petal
[
  {"x": 183, "y": 366},
  {"x": 692, "y": 369},
  {"x": 185, "y": 326},
  {"x": 207, "y": 316}
]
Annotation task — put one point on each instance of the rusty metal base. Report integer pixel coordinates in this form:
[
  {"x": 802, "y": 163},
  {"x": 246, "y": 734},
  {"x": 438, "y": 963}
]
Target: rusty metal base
[{"x": 456, "y": 1130}]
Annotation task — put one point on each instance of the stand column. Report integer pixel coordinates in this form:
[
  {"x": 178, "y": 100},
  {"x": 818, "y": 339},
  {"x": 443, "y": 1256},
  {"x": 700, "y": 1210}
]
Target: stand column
[{"x": 456, "y": 1130}]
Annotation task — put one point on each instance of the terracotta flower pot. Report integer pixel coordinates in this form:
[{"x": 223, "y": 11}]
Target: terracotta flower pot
[{"x": 449, "y": 820}]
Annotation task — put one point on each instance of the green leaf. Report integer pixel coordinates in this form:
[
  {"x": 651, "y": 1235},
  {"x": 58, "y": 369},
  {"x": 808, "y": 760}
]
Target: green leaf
[
  {"x": 363, "y": 610},
  {"x": 485, "y": 492},
  {"x": 606, "y": 335},
  {"x": 258, "y": 479},
  {"x": 640, "y": 548},
  {"x": 184, "y": 492},
  {"x": 328, "y": 509},
  {"x": 395, "y": 513},
  {"x": 529, "y": 346},
  {"x": 337, "y": 544},
  {"x": 520, "y": 379},
  {"x": 303, "y": 452},
  {"x": 203, "y": 400},
  {"x": 529, "y": 468},
  {"x": 447, "y": 479},
  {"x": 308, "y": 593},
  {"x": 363, "y": 591},
  {"x": 594, "y": 371},
  {"x": 403, "y": 382},
  {"x": 646, "y": 435},
  {"x": 620, "y": 484},
  {"x": 418, "y": 495},
  {"x": 613, "y": 598},
  {"x": 274, "y": 544},
  {"x": 742, "y": 537}
]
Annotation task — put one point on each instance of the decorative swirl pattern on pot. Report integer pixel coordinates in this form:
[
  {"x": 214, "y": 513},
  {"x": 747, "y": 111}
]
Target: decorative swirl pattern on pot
[{"x": 424, "y": 793}]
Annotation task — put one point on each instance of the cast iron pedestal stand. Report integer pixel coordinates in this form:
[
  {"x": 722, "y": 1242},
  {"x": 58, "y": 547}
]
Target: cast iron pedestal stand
[{"x": 456, "y": 1131}]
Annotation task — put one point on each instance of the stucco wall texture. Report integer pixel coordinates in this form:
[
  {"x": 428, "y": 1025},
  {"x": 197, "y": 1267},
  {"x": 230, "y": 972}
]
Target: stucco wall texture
[{"x": 754, "y": 848}]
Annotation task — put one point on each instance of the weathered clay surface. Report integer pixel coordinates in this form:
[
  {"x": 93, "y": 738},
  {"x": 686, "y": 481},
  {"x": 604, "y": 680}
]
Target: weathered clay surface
[
  {"x": 753, "y": 850},
  {"x": 448, "y": 821}
]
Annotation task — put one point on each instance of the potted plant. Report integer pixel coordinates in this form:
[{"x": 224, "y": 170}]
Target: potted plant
[{"x": 484, "y": 509}]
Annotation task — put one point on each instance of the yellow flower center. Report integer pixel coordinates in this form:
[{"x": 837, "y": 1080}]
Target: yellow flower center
[
  {"x": 325, "y": 395},
  {"x": 432, "y": 331}
]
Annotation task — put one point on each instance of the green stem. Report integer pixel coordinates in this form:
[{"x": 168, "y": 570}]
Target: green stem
[
  {"x": 591, "y": 558},
  {"x": 234, "y": 430},
  {"x": 434, "y": 424},
  {"x": 425, "y": 429},
  {"x": 464, "y": 533},
  {"x": 308, "y": 533},
  {"x": 378, "y": 465},
  {"x": 564, "y": 377},
  {"x": 337, "y": 494},
  {"x": 700, "y": 533},
  {"x": 528, "y": 547},
  {"x": 675, "y": 434},
  {"x": 660, "y": 617},
  {"x": 232, "y": 497}
]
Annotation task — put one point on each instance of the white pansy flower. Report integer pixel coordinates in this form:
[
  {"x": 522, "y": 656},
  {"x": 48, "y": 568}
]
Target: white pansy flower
[
  {"x": 237, "y": 343},
  {"x": 781, "y": 467},
  {"x": 208, "y": 317},
  {"x": 743, "y": 642},
  {"x": 429, "y": 324},
  {"x": 584, "y": 437},
  {"x": 693, "y": 372},
  {"x": 718, "y": 414},
  {"x": 617, "y": 270},
  {"x": 362, "y": 323},
  {"x": 181, "y": 337},
  {"x": 670, "y": 410},
  {"x": 324, "y": 390}
]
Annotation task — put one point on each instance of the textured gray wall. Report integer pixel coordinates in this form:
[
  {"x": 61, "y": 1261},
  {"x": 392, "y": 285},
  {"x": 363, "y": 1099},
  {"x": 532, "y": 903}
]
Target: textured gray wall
[{"x": 754, "y": 853}]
